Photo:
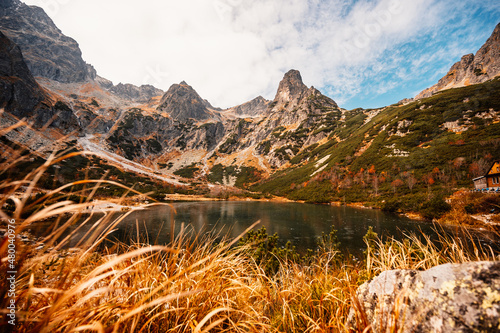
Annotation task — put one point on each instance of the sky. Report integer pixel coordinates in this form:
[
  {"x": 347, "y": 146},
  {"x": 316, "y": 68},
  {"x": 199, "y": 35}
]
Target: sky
[{"x": 360, "y": 53}]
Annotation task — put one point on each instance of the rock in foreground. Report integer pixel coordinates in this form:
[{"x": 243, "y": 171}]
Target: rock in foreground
[{"x": 447, "y": 298}]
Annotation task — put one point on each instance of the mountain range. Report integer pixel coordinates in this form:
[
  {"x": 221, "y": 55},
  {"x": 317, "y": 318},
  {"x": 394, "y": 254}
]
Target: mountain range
[{"x": 283, "y": 146}]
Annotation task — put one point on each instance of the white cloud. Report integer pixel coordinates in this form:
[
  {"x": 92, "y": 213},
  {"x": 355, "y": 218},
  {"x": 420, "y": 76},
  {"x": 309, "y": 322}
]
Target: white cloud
[{"x": 233, "y": 50}]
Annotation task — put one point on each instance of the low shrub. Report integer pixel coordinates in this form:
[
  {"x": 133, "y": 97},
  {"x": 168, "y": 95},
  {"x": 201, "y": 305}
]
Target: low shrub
[{"x": 435, "y": 208}]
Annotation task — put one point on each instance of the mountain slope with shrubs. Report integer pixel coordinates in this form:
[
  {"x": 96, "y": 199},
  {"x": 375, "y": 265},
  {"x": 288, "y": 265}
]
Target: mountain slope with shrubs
[{"x": 406, "y": 157}]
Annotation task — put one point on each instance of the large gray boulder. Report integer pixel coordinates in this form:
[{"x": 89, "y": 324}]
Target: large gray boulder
[{"x": 447, "y": 298}]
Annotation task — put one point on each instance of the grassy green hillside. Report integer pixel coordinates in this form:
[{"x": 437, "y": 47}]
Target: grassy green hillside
[{"x": 404, "y": 158}]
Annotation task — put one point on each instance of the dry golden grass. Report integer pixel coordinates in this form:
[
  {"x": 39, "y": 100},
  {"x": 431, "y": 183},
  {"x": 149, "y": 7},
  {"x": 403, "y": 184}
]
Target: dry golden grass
[
  {"x": 466, "y": 204},
  {"x": 419, "y": 252}
]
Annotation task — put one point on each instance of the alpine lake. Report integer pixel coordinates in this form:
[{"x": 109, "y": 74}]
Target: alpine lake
[{"x": 301, "y": 224}]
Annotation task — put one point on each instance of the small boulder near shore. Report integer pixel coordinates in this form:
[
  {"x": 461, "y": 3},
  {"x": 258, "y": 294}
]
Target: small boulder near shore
[{"x": 447, "y": 298}]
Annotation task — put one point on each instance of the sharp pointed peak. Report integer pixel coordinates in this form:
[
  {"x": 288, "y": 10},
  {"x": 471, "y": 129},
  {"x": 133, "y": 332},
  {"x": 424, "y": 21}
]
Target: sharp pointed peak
[{"x": 293, "y": 73}]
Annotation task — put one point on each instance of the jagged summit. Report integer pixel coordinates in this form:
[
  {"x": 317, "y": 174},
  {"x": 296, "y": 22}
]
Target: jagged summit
[
  {"x": 471, "y": 69},
  {"x": 291, "y": 88},
  {"x": 294, "y": 95},
  {"x": 182, "y": 102}
]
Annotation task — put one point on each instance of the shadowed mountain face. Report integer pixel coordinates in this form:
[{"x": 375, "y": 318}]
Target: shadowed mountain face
[
  {"x": 19, "y": 92},
  {"x": 471, "y": 69},
  {"x": 21, "y": 95},
  {"x": 47, "y": 51}
]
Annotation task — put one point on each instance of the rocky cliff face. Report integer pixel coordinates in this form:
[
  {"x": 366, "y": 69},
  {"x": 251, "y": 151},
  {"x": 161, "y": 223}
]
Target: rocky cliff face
[
  {"x": 182, "y": 102},
  {"x": 47, "y": 51},
  {"x": 255, "y": 107},
  {"x": 131, "y": 92},
  {"x": 471, "y": 69},
  {"x": 21, "y": 95},
  {"x": 297, "y": 118},
  {"x": 291, "y": 91}
]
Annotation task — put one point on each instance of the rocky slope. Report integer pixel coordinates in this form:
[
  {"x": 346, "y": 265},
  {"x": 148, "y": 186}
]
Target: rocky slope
[
  {"x": 131, "y": 92},
  {"x": 182, "y": 102},
  {"x": 47, "y": 51},
  {"x": 21, "y": 95},
  {"x": 471, "y": 69},
  {"x": 255, "y": 107}
]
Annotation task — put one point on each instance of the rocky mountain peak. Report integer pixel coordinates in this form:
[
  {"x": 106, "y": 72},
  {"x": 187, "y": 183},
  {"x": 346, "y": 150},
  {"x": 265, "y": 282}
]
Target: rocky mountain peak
[
  {"x": 182, "y": 102},
  {"x": 291, "y": 88},
  {"x": 471, "y": 69},
  {"x": 495, "y": 36}
]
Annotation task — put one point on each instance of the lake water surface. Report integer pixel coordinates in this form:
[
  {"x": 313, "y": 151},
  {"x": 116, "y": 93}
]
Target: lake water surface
[{"x": 302, "y": 224}]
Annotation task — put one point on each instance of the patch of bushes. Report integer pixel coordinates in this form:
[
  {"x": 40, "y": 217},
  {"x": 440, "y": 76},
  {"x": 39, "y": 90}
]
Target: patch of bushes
[
  {"x": 244, "y": 175},
  {"x": 154, "y": 146},
  {"x": 187, "y": 172},
  {"x": 435, "y": 208}
]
